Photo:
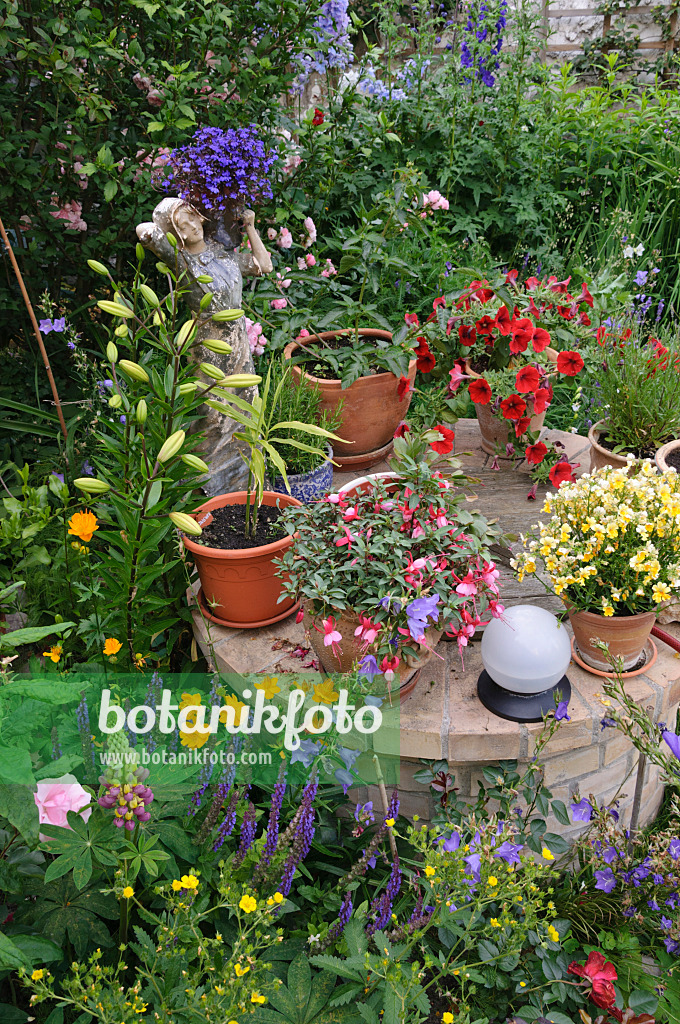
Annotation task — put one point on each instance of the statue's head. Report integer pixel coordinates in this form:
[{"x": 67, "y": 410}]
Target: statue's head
[{"x": 185, "y": 223}]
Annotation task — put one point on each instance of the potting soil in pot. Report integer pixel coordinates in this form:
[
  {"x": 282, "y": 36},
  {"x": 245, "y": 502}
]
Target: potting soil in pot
[
  {"x": 673, "y": 459},
  {"x": 228, "y": 528}
]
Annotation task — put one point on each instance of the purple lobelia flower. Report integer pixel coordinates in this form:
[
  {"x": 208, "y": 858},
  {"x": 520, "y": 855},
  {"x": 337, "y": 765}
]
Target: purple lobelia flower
[{"x": 582, "y": 811}]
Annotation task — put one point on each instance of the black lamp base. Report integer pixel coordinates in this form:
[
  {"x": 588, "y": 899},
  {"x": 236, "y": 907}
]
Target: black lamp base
[{"x": 520, "y": 707}]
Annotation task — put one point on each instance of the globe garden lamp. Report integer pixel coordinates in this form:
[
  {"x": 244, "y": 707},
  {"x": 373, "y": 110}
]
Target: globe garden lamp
[{"x": 525, "y": 656}]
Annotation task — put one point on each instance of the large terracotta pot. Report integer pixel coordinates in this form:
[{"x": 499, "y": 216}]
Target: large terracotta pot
[
  {"x": 495, "y": 431},
  {"x": 600, "y": 456},
  {"x": 243, "y": 580},
  {"x": 662, "y": 452},
  {"x": 626, "y": 636},
  {"x": 350, "y": 650},
  {"x": 371, "y": 410}
]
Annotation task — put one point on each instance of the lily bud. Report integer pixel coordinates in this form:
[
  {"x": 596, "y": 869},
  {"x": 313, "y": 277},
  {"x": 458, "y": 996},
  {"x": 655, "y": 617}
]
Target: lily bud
[
  {"x": 140, "y": 252},
  {"x": 240, "y": 380},
  {"x": 212, "y": 371},
  {"x": 216, "y": 345},
  {"x": 204, "y": 278},
  {"x": 225, "y": 315},
  {"x": 111, "y": 352},
  {"x": 162, "y": 268},
  {"x": 186, "y": 524},
  {"x": 122, "y": 331},
  {"x": 171, "y": 446},
  {"x": 171, "y": 239},
  {"x": 98, "y": 267},
  {"x": 115, "y": 308},
  {"x": 115, "y": 402},
  {"x": 186, "y": 389},
  {"x": 134, "y": 370},
  {"x": 195, "y": 463},
  {"x": 141, "y": 413},
  {"x": 158, "y": 318},
  {"x": 149, "y": 294},
  {"x": 91, "y": 485},
  {"x": 185, "y": 331},
  {"x": 205, "y": 301}
]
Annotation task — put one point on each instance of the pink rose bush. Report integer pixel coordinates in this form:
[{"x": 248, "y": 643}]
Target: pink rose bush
[
  {"x": 54, "y": 798},
  {"x": 434, "y": 200},
  {"x": 70, "y": 212}
]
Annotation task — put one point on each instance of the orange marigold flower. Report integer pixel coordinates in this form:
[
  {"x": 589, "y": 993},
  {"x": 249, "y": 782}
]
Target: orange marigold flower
[{"x": 83, "y": 525}]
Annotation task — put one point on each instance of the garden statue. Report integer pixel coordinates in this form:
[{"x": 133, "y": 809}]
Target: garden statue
[{"x": 215, "y": 175}]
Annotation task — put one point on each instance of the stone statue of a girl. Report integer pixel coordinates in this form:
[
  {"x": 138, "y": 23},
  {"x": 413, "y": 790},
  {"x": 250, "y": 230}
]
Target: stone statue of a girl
[{"x": 209, "y": 248}]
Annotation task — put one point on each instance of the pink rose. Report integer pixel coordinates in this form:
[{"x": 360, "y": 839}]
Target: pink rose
[
  {"x": 310, "y": 228},
  {"x": 271, "y": 234},
  {"x": 310, "y": 260},
  {"x": 279, "y": 303},
  {"x": 285, "y": 238},
  {"x": 56, "y": 797}
]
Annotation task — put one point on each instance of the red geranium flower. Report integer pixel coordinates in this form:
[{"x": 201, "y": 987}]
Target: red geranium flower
[
  {"x": 402, "y": 429},
  {"x": 485, "y": 325},
  {"x": 522, "y": 425},
  {"x": 513, "y": 408},
  {"x": 527, "y": 379},
  {"x": 569, "y": 363},
  {"x": 585, "y": 295},
  {"x": 318, "y": 117},
  {"x": 467, "y": 335},
  {"x": 561, "y": 473},
  {"x": 412, "y": 318},
  {"x": 535, "y": 453},
  {"x": 542, "y": 400},
  {"x": 403, "y": 388},
  {"x": 445, "y": 445},
  {"x": 598, "y": 971},
  {"x": 503, "y": 321},
  {"x": 540, "y": 340},
  {"x": 480, "y": 392},
  {"x": 426, "y": 361}
]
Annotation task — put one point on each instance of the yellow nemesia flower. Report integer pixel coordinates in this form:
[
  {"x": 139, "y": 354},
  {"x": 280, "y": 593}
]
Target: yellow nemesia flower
[
  {"x": 112, "y": 646},
  {"x": 270, "y": 685},
  {"x": 54, "y": 653},
  {"x": 325, "y": 693},
  {"x": 82, "y": 525},
  {"x": 128, "y": 892},
  {"x": 247, "y": 904}
]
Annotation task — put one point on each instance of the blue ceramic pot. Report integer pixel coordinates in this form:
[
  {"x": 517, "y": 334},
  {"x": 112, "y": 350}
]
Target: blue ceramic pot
[{"x": 308, "y": 487}]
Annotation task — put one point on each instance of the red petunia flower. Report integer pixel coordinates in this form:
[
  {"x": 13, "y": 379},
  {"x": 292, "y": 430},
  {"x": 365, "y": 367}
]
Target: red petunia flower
[
  {"x": 483, "y": 294},
  {"x": 467, "y": 335},
  {"x": 511, "y": 276},
  {"x": 522, "y": 425},
  {"x": 599, "y": 972},
  {"x": 531, "y": 284},
  {"x": 567, "y": 312},
  {"x": 513, "y": 407},
  {"x": 584, "y": 320},
  {"x": 480, "y": 392},
  {"x": 485, "y": 325},
  {"x": 601, "y": 335},
  {"x": 559, "y": 286},
  {"x": 426, "y": 360},
  {"x": 535, "y": 453},
  {"x": 569, "y": 363},
  {"x": 561, "y": 473},
  {"x": 402, "y": 429},
  {"x": 445, "y": 445},
  {"x": 540, "y": 340},
  {"x": 585, "y": 295},
  {"x": 403, "y": 388},
  {"x": 522, "y": 333},
  {"x": 318, "y": 117},
  {"x": 412, "y": 318},
  {"x": 542, "y": 399},
  {"x": 527, "y": 379},
  {"x": 503, "y": 321},
  {"x": 441, "y": 301}
]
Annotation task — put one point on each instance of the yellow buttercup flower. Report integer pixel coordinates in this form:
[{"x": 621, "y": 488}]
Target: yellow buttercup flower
[
  {"x": 193, "y": 740},
  {"x": 270, "y": 685},
  {"x": 38, "y": 975},
  {"x": 82, "y": 525},
  {"x": 247, "y": 904},
  {"x": 547, "y": 854},
  {"x": 553, "y": 933},
  {"x": 389, "y": 822},
  {"x": 279, "y": 897},
  {"x": 495, "y": 923},
  {"x": 231, "y": 702},
  {"x": 240, "y": 971},
  {"x": 325, "y": 693},
  {"x": 447, "y": 1018},
  {"x": 54, "y": 653},
  {"x": 128, "y": 892},
  {"x": 429, "y": 871},
  {"x": 257, "y": 998},
  {"x": 492, "y": 880},
  {"x": 111, "y": 646}
]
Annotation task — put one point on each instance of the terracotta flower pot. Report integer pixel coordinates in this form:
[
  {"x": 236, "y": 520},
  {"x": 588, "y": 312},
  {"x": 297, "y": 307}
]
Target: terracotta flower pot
[
  {"x": 661, "y": 456},
  {"x": 372, "y": 409},
  {"x": 626, "y": 636},
  {"x": 350, "y": 649},
  {"x": 496, "y": 431},
  {"x": 600, "y": 456},
  {"x": 242, "y": 581}
]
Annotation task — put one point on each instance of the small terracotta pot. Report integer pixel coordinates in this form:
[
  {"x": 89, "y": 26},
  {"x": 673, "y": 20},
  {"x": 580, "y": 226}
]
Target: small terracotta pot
[
  {"x": 243, "y": 580},
  {"x": 371, "y": 410},
  {"x": 495, "y": 431},
  {"x": 600, "y": 456},
  {"x": 662, "y": 452},
  {"x": 351, "y": 651},
  {"x": 626, "y": 636}
]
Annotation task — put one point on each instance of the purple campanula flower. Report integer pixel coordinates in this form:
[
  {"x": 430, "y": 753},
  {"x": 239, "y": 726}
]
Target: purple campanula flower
[
  {"x": 672, "y": 946},
  {"x": 641, "y": 278},
  {"x": 606, "y": 880},
  {"x": 364, "y": 812},
  {"x": 45, "y": 326},
  {"x": 672, "y": 741},
  {"x": 345, "y": 778},
  {"x": 417, "y": 613},
  {"x": 561, "y": 712},
  {"x": 348, "y": 756},
  {"x": 653, "y": 905},
  {"x": 71, "y": 345},
  {"x": 606, "y": 723},
  {"x": 674, "y": 848},
  {"x": 368, "y": 667},
  {"x": 449, "y": 844},
  {"x": 305, "y": 753},
  {"x": 630, "y": 912},
  {"x": 509, "y": 852},
  {"x": 657, "y": 879},
  {"x": 610, "y": 855},
  {"x": 59, "y": 325},
  {"x": 582, "y": 811},
  {"x": 474, "y": 861},
  {"x": 59, "y": 476},
  {"x": 666, "y": 923}
]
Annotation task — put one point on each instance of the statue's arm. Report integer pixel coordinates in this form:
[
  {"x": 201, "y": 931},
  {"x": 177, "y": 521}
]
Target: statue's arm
[
  {"x": 151, "y": 236},
  {"x": 258, "y": 258}
]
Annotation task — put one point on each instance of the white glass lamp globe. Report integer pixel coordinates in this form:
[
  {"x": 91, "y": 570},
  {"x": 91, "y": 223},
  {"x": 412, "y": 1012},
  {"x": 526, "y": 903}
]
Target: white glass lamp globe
[{"x": 527, "y": 651}]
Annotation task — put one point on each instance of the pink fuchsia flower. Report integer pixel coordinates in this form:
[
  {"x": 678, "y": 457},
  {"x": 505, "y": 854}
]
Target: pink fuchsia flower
[
  {"x": 388, "y": 667},
  {"x": 332, "y": 635},
  {"x": 284, "y": 239},
  {"x": 279, "y": 303},
  {"x": 367, "y": 631},
  {"x": 310, "y": 228},
  {"x": 347, "y": 539},
  {"x": 293, "y": 160},
  {"x": 467, "y": 586},
  {"x": 456, "y": 375},
  {"x": 54, "y": 798},
  {"x": 329, "y": 270},
  {"x": 489, "y": 574}
]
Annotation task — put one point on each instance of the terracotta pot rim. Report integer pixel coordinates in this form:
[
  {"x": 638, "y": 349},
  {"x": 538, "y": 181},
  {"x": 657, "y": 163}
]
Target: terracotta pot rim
[
  {"x": 663, "y": 451},
  {"x": 608, "y": 618},
  {"x": 335, "y": 381},
  {"x": 553, "y": 357},
  {"x": 240, "y": 553},
  {"x": 594, "y": 437}
]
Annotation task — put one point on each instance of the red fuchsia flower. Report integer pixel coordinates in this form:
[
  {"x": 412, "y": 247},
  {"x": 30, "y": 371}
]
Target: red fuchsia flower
[
  {"x": 466, "y": 335},
  {"x": 496, "y": 608},
  {"x": 542, "y": 399},
  {"x": 586, "y": 296},
  {"x": 503, "y": 322},
  {"x": 522, "y": 332},
  {"x": 445, "y": 444},
  {"x": 456, "y": 374},
  {"x": 332, "y": 636},
  {"x": 412, "y": 319},
  {"x": 404, "y": 388},
  {"x": 561, "y": 473},
  {"x": 426, "y": 361},
  {"x": 527, "y": 379},
  {"x": 388, "y": 666},
  {"x": 522, "y": 425},
  {"x": 300, "y": 615},
  {"x": 318, "y": 117},
  {"x": 367, "y": 631},
  {"x": 600, "y": 973},
  {"x": 347, "y": 539},
  {"x": 480, "y": 391},
  {"x": 569, "y": 363},
  {"x": 540, "y": 340},
  {"x": 486, "y": 325},
  {"x": 535, "y": 453},
  {"x": 513, "y": 407},
  {"x": 402, "y": 429},
  {"x": 350, "y": 514}
]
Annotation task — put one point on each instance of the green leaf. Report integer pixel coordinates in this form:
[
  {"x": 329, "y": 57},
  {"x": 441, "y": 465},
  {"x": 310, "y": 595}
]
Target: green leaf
[
  {"x": 643, "y": 1002},
  {"x": 11, "y": 956},
  {"x": 110, "y": 190},
  {"x": 38, "y": 949},
  {"x": 560, "y": 811},
  {"x": 15, "y": 767},
  {"x": 33, "y": 634}
]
